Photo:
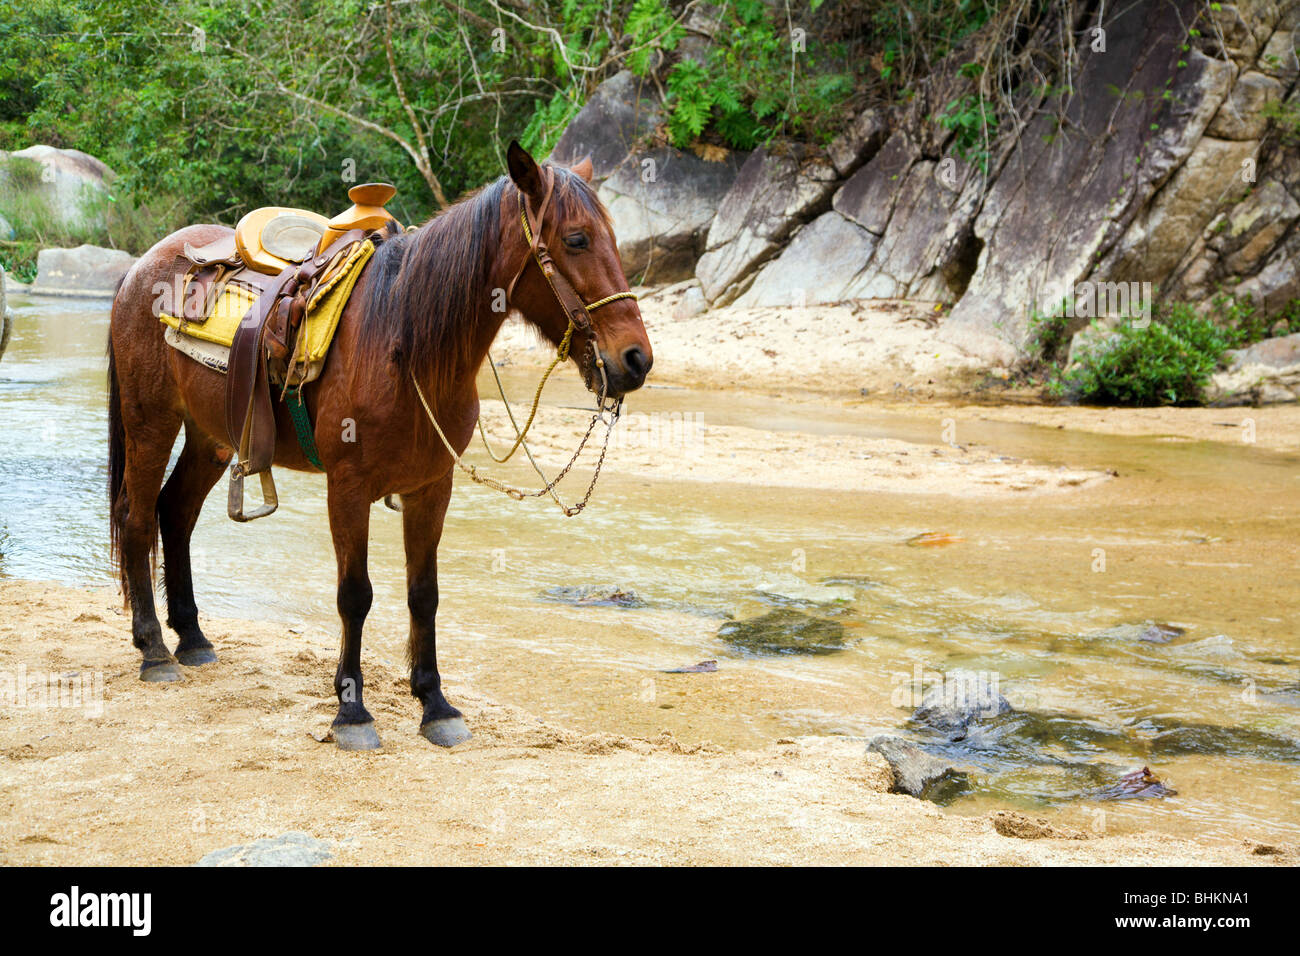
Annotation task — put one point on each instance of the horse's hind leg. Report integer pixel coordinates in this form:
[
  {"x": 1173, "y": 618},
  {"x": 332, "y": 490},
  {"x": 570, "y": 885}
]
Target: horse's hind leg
[
  {"x": 349, "y": 510},
  {"x": 199, "y": 467}
]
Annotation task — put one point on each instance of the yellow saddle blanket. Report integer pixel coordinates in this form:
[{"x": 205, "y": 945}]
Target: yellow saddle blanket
[{"x": 208, "y": 340}]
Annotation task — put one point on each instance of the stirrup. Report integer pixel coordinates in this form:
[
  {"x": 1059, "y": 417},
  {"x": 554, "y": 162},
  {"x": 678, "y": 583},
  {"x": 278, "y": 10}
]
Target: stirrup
[{"x": 235, "y": 502}]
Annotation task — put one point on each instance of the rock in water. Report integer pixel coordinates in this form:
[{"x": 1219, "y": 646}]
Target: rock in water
[
  {"x": 1161, "y": 633},
  {"x": 287, "y": 849},
  {"x": 784, "y": 631},
  {"x": 703, "y": 667},
  {"x": 963, "y": 697},
  {"x": 1134, "y": 786},
  {"x": 919, "y": 774},
  {"x": 586, "y": 596}
]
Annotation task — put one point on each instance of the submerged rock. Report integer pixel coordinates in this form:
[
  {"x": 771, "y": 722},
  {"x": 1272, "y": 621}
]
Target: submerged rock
[
  {"x": 963, "y": 697},
  {"x": 587, "y": 596},
  {"x": 1152, "y": 632},
  {"x": 287, "y": 849},
  {"x": 703, "y": 667},
  {"x": 1172, "y": 738},
  {"x": 1161, "y": 633},
  {"x": 784, "y": 631},
  {"x": 920, "y": 774},
  {"x": 1134, "y": 786}
]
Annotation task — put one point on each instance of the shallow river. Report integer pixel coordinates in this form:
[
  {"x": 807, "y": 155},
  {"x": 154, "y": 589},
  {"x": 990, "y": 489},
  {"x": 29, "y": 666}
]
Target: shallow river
[{"x": 1044, "y": 594}]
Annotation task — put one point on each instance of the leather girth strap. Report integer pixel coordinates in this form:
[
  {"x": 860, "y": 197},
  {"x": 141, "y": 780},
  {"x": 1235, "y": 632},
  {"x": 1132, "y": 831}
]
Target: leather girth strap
[{"x": 250, "y": 414}]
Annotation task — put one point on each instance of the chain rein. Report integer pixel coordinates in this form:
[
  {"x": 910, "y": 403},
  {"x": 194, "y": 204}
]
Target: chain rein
[{"x": 579, "y": 316}]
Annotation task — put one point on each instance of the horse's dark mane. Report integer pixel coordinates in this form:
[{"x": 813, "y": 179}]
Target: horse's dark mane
[{"x": 425, "y": 289}]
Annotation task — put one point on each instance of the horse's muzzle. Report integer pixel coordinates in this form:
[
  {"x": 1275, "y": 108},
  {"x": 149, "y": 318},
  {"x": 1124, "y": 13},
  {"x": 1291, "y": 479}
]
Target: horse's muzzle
[{"x": 626, "y": 373}]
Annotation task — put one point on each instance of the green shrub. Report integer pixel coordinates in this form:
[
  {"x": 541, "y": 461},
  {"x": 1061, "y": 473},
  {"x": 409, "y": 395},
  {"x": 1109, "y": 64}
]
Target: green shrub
[
  {"x": 1242, "y": 314},
  {"x": 1166, "y": 361}
]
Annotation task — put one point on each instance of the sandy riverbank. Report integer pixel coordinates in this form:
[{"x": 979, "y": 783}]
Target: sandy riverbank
[
  {"x": 882, "y": 354},
  {"x": 168, "y": 774}
]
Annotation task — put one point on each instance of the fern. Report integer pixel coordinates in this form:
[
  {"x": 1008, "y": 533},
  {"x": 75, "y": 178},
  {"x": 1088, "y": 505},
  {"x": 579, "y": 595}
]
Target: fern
[{"x": 650, "y": 25}]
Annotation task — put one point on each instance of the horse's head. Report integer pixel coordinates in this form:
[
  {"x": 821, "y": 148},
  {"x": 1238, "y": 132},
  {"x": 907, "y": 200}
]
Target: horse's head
[{"x": 577, "y": 237}]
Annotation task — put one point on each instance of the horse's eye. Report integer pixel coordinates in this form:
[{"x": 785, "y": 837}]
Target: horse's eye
[{"x": 577, "y": 240}]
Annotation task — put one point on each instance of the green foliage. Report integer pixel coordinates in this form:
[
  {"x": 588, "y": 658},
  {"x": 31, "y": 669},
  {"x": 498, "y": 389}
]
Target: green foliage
[
  {"x": 975, "y": 124},
  {"x": 1165, "y": 361},
  {"x": 651, "y": 26},
  {"x": 1243, "y": 316},
  {"x": 548, "y": 122},
  {"x": 1048, "y": 336},
  {"x": 208, "y": 110},
  {"x": 758, "y": 84},
  {"x": 1286, "y": 114}
]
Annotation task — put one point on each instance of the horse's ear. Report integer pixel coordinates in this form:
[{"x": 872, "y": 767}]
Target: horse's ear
[
  {"x": 584, "y": 168},
  {"x": 524, "y": 170}
]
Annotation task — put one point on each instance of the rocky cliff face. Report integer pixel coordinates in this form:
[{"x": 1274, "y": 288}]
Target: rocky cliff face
[{"x": 1161, "y": 167}]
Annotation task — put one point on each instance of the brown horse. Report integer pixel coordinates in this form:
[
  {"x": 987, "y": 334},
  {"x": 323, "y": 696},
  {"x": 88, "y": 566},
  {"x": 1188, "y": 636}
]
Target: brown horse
[{"x": 425, "y": 311}]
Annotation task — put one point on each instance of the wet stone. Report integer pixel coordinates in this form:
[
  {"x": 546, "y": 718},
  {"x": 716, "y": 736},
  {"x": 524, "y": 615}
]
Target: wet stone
[
  {"x": 920, "y": 774},
  {"x": 963, "y": 697},
  {"x": 589, "y": 596},
  {"x": 1167, "y": 737},
  {"x": 1160, "y": 633},
  {"x": 287, "y": 849},
  {"x": 784, "y": 631},
  {"x": 1140, "y": 784}
]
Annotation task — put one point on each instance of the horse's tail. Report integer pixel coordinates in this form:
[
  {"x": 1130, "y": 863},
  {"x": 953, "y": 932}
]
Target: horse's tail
[{"x": 116, "y": 466}]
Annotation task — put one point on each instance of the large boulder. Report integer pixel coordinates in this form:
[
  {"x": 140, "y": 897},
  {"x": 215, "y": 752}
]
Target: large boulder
[
  {"x": 917, "y": 773},
  {"x": 1278, "y": 59},
  {"x": 816, "y": 267},
  {"x": 662, "y": 202},
  {"x": 858, "y": 141},
  {"x": 1263, "y": 373},
  {"x": 928, "y": 249},
  {"x": 770, "y": 197},
  {"x": 869, "y": 195},
  {"x": 1066, "y": 195},
  {"x": 1278, "y": 282},
  {"x": 1163, "y": 232},
  {"x": 67, "y": 179},
  {"x": 1248, "y": 232},
  {"x": 84, "y": 271},
  {"x": 619, "y": 118},
  {"x": 1242, "y": 114}
]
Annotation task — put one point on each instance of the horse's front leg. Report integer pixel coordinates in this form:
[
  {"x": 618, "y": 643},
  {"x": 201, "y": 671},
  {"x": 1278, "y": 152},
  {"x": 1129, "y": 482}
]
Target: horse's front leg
[
  {"x": 422, "y": 518},
  {"x": 349, "y": 509}
]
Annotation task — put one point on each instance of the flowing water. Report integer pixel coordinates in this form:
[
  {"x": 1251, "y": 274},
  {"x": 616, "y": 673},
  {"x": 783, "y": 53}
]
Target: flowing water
[{"x": 1046, "y": 595}]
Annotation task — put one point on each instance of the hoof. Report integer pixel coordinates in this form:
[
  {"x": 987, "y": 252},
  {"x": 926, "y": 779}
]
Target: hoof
[
  {"x": 356, "y": 737},
  {"x": 447, "y": 732},
  {"x": 197, "y": 656},
  {"x": 160, "y": 672}
]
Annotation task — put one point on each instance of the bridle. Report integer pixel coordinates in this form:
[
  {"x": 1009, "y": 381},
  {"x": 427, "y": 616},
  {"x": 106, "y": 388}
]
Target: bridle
[
  {"x": 577, "y": 311},
  {"x": 579, "y": 318}
]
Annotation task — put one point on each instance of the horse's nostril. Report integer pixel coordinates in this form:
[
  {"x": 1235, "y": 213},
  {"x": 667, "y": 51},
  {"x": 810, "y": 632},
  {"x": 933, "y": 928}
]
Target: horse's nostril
[{"x": 636, "y": 362}]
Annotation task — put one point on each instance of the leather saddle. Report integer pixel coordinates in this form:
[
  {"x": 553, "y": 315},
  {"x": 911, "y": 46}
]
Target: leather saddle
[{"x": 285, "y": 254}]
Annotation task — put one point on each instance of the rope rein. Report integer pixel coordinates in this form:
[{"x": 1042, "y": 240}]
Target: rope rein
[{"x": 539, "y": 255}]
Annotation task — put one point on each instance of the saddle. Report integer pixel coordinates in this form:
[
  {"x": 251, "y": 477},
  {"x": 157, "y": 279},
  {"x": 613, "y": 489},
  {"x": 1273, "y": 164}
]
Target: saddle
[{"x": 287, "y": 259}]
